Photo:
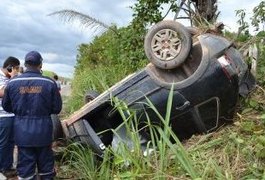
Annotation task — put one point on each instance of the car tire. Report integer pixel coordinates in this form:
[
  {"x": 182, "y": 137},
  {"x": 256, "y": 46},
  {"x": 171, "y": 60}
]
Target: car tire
[
  {"x": 193, "y": 31},
  {"x": 167, "y": 44},
  {"x": 86, "y": 135},
  {"x": 90, "y": 95},
  {"x": 57, "y": 127}
]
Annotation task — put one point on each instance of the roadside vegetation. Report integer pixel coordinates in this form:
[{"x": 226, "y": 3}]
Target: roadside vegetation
[{"x": 235, "y": 151}]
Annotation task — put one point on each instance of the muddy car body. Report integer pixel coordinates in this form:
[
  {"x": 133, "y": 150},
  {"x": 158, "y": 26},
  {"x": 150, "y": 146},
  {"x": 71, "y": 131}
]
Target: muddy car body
[{"x": 205, "y": 78}]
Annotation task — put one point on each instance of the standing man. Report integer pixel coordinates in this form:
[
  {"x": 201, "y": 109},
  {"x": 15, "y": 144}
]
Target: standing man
[
  {"x": 33, "y": 98},
  {"x": 56, "y": 79},
  {"x": 10, "y": 69}
]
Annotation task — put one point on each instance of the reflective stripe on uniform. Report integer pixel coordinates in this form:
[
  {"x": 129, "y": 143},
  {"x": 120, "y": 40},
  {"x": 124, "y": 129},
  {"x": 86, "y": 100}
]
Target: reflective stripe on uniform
[
  {"x": 6, "y": 114},
  {"x": 26, "y": 178},
  {"x": 31, "y": 78},
  {"x": 45, "y": 174}
]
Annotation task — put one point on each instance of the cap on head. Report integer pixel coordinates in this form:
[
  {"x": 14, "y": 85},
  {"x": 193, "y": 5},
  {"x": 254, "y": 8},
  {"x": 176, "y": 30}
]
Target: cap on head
[{"x": 33, "y": 58}]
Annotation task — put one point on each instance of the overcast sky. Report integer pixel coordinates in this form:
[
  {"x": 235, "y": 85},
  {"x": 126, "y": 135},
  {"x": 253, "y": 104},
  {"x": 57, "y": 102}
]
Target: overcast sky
[{"x": 25, "y": 26}]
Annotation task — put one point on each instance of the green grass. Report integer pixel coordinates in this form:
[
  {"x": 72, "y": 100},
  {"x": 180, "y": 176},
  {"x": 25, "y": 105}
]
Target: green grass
[
  {"x": 233, "y": 152},
  {"x": 48, "y": 73},
  {"x": 99, "y": 79}
]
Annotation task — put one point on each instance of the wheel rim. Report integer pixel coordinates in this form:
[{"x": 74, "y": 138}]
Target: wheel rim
[{"x": 166, "y": 44}]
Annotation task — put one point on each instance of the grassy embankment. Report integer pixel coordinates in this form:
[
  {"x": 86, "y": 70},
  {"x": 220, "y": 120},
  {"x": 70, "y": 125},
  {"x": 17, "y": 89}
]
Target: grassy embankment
[{"x": 235, "y": 151}]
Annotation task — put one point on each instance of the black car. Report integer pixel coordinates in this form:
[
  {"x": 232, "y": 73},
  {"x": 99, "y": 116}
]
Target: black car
[{"x": 206, "y": 72}]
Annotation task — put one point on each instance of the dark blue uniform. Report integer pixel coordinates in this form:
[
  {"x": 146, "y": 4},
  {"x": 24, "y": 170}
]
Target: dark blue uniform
[{"x": 33, "y": 98}]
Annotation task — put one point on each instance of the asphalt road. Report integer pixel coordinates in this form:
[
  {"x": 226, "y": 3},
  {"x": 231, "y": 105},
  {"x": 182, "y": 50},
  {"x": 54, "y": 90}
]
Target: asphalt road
[{"x": 66, "y": 90}]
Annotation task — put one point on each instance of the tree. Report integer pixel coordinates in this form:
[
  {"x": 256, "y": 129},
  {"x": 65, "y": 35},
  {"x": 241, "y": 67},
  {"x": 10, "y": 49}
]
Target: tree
[
  {"x": 146, "y": 13},
  {"x": 84, "y": 19},
  {"x": 243, "y": 25},
  {"x": 259, "y": 16}
]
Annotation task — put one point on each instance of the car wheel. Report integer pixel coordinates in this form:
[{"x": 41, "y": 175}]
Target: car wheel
[
  {"x": 90, "y": 95},
  {"x": 193, "y": 31},
  {"x": 167, "y": 44},
  {"x": 88, "y": 136},
  {"x": 57, "y": 127}
]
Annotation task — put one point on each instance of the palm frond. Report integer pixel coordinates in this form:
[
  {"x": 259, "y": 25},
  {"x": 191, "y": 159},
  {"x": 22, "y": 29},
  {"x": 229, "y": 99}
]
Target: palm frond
[{"x": 84, "y": 20}]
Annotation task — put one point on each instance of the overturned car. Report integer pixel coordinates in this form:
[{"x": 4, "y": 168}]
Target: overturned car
[{"x": 206, "y": 74}]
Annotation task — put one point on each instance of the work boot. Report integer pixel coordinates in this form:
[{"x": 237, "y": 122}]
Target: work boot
[{"x": 10, "y": 173}]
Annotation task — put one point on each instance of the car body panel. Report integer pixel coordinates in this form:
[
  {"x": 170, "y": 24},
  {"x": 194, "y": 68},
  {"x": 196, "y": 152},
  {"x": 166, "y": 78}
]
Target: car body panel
[{"x": 205, "y": 92}]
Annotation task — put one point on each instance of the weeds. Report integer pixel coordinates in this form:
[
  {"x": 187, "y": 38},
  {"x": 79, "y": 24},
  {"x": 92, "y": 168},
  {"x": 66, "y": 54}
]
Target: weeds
[{"x": 233, "y": 152}]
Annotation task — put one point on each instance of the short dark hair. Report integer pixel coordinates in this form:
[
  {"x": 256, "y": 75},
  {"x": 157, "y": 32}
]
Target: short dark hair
[
  {"x": 30, "y": 65},
  {"x": 55, "y": 77},
  {"x": 11, "y": 61}
]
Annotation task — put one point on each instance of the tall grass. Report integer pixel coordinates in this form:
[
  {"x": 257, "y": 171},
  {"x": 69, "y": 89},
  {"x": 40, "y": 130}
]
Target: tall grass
[
  {"x": 99, "y": 78},
  {"x": 130, "y": 161},
  {"x": 163, "y": 140},
  {"x": 233, "y": 152},
  {"x": 84, "y": 164}
]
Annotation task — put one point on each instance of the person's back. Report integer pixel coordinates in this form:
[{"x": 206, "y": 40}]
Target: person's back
[{"x": 33, "y": 98}]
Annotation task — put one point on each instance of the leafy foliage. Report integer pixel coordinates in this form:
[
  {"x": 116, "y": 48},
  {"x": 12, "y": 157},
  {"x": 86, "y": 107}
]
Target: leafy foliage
[
  {"x": 243, "y": 25},
  {"x": 261, "y": 61},
  {"x": 102, "y": 63},
  {"x": 48, "y": 73},
  {"x": 259, "y": 15},
  {"x": 84, "y": 19}
]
